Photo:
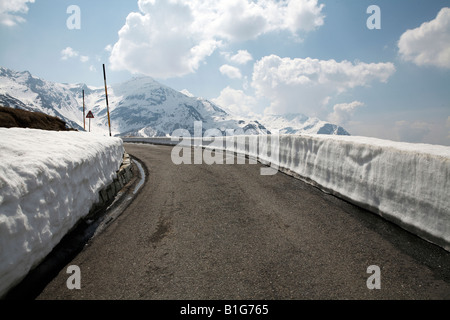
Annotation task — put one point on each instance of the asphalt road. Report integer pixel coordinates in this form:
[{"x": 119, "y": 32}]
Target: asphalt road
[{"x": 226, "y": 232}]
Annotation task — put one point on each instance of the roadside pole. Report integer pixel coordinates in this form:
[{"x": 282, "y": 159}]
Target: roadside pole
[
  {"x": 107, "y": 104},
  {"x": 84, "y": 117}
]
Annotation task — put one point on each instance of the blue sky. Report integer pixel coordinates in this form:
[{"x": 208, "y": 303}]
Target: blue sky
[{"x": 254, "y": 57}]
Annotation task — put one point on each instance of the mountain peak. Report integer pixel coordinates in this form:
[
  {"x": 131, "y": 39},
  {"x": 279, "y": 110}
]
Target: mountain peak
[
  {"x": 141, "y": 106},
  {"x": 5, "y": 72}
]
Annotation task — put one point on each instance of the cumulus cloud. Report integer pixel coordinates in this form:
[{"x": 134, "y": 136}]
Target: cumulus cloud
[
  {"x": 241, "y": 57},
  {"x": 240, "y": 20},
  {"x": 343, "y": 112},
  {"x": 428, "y": 44},
  {"x": 68, "y": 53},
  {"x": 303, "y": 15},
  {"x": 10, "y": 11},
  {"x": 306, "y": 85},
  {"x": 230, "y": 71},
  {"x": 160, "y": 41},
  {"x": 236, "y": 102},
  {"x": 172, "y": 38}
]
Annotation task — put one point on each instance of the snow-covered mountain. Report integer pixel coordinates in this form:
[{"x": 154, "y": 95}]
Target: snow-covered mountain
[
  {"x": 144, "y": 107},
  {"x": 22, "y": 90},
  {"x": 140, "y": 107},
  {"x": 299, "y": 123}
]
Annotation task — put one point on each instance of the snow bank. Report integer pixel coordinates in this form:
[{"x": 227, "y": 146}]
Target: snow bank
[
  {"x": 48, "y": 181},
  {"x": 408, "y": 184}
]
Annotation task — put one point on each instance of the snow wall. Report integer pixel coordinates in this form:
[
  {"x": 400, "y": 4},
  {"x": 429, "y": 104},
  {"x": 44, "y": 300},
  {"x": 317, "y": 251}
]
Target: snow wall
[
  {"x": 48, "y": 182},
  {"x": 406, "y": 183}
]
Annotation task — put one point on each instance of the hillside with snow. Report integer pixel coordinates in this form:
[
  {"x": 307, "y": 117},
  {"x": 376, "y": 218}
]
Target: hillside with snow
[{"x": 141, "y": 107}]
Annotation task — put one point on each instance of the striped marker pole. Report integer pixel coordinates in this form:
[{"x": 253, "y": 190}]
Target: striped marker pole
[
  {"x": 107, "y": 104},
  {"x": 84, "y": 116}
]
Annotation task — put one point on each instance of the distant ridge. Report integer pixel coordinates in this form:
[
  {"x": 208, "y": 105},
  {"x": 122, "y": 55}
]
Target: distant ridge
[{"x": 141, "y": 107}]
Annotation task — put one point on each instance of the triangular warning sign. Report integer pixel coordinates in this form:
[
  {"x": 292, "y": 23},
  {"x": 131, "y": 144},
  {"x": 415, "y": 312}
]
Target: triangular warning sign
[{"x": 90, "y": 115}]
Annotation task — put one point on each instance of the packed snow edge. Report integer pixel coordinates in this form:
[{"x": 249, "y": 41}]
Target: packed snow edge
[{"x": 48, "y": 181}]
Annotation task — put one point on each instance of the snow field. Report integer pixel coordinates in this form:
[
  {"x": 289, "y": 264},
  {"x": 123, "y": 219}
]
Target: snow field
[
  {"x": 48, "y": 181},
  {"x": 406, "y": 183}
]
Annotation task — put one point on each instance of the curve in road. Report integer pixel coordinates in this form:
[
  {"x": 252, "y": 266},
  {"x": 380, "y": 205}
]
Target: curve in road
[{"x": 226, "y": 232}]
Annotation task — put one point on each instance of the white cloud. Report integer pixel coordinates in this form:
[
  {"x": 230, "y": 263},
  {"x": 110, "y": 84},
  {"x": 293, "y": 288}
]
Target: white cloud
[
  {"x": 230, "y": 71},
  {"x": 306, "y": 85},
  {"x": 171, "y": 38},
  {"x": 68, "y": 53},
  {"x": 243, "y": 19},
  {"x": 109, "y": 48},
  {"x": 242, "y": 57},
  {"x": 303, "y": 15},
  {"x": 343, "y": 112},
  {"x": 238, "y": 20},
  {"x": 160, "y": 41},
  {"x": 10, "y": 10},
  {"x": 236, "y": 102},
  {"x": 428, "y": 44},
  {"x": 92, "y": 68}
]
